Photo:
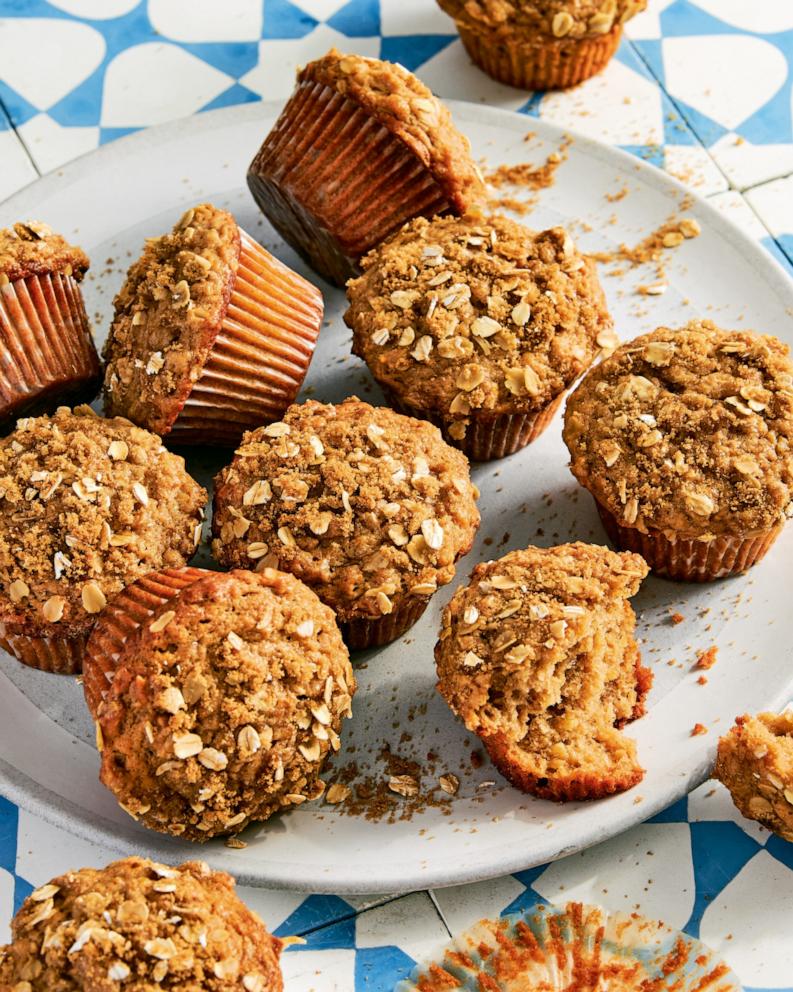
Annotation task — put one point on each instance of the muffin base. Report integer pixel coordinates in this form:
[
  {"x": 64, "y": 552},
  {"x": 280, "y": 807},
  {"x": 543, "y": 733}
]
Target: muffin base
[
  {"x": 487, "y": 438},
  {"x": 60, "y": 655},
  {"x": 50, "y": 354},
  {"x": 552, "y": 64},
  {"x": 363, "y": 632},
  {"x": 686, "y": 560},
  {"x": 334, "y": 182},
  {"x": 260, "y": 356}
]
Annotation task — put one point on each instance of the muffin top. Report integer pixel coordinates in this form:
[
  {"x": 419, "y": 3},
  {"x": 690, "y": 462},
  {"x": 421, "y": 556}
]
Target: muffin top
[
  {"x": 688, "y": 432},
  {"x": 140, "y": 926},
  {"x": 223, "y": 704},
  {"x": 167, "y": 316},
  {"x": 364, "y": 505},
  {"x": 86, "y": 506},
  {"x": 477, "y": 315},
  {"x": 550, "y": 18},
  {"x": 404, "y": 105},
  {"x": 507, "y": 638},
  {"x": 33, "y": 249}
]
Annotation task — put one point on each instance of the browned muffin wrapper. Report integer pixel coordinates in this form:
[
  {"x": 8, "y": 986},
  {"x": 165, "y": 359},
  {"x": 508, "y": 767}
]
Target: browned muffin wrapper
[
  {"x": 260, "y": 356},
  {"x": 46, "y": 338},
  {"x": 60, "y": 655},
  {"x": 335, "y": 182},
  {"x": 540, "y": 64},
  {"x": 687, "y": 560},
  {"x": 120, "y": 620},
  {"x": 488, "y": 437},
  {"x": 366, "y": 632}
]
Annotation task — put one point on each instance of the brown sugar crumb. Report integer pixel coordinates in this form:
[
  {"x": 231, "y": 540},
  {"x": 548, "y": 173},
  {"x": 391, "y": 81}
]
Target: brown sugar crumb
[
  {"x": 698, "y": 730},
  {"x": 707, "y": 658},
  {"x": 652, "y": 249},
  {"x": 702, "y": 680},
  {"x": 677, "y": 618},
  {"x": 529, "y": 176},
  {"x": 619, "y": 195}
]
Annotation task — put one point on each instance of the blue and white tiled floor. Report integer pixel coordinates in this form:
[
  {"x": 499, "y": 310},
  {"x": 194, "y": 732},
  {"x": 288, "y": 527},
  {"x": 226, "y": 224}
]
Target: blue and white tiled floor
[{"x": 701, "y": 88}]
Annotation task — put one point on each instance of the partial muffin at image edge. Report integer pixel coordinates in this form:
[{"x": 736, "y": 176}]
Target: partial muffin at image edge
[
  {"x": 87, "y": 505},
  {"x": 478, "y": 325},
  {"x": 217, "y": 698},
  {"x": 538, "y": 657},
  {"x": 139, "y": 924},
  {"x": 361, "y": 147},
  {"x": 211, "y": 335},
  {"x": 48, "y": 351},
  {"x": 683, "y": 438},
  {"x": 541, "y": 44},
  {"x": 370, "y": 508}
]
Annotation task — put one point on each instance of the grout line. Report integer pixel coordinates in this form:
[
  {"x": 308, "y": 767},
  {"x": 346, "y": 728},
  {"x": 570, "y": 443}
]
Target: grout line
[
  {"x": 439, "y": 911},
  {"x": 353, "y": 914},
  {"x": 13, "y": 126}
]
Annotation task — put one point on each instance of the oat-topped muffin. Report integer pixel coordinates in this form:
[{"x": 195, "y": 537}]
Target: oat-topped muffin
[
  {"x": 139, "y": 926},
  {"x": 87, "y": 505},
  {"x": 541, "y": 44},
  {"x": 370, "y": 508},
  {"x": 479, "y": 325},
  {"x": 684, "y": 439},
  {"x": 361, "y": 147},
  {"x": 538, "y": 657},
  {"x": 45, "y": 339},
  {"x": 211, "y": 335},
  {"x": 217, "y": 696},
  {"x": 755, "y": 762}
]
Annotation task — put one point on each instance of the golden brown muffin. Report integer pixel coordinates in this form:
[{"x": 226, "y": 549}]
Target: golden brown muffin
[
  {"x": 211, "y": 334},
  {"x": 370, "y": 508},
  {"x": 479, "y": 325},
  {"x": 755, "y": 762},
  {"x": 361, "y": 147},
  {"x": 45, "y": 339},
  {"x": 217, "y": 696},
  {"x": 538, "y": 657},
  {"x": 684, "y": 439},
  {"x": 139, "y": 926},
  {"x": 87, "y": 505},
  {"x": 541, "y": 44}
]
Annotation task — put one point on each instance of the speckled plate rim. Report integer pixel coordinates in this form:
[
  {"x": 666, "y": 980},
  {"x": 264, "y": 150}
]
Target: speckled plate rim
[{"x": 63, "y": 813}]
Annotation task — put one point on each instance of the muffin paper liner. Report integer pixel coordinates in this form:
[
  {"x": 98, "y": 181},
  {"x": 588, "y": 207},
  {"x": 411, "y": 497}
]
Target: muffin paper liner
[
  {"x": 335, "y": 182},
  {"x": 556, "y": 64},
  {"x": 260, "y": 356},
  {"x": 686, "y": 560},
  {"x": 367, "y": 633},
  {"x": 119, "y": 621},
  {"x": 48, "y": 353},
  {"x": 487, "y": 438},
  {"x": 581, "y": 948},
  {"x": 60, "y": 655}
]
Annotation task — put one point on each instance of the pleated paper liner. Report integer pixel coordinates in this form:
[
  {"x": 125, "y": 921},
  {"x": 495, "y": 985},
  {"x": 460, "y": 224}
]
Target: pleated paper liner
[
  {"x": 550, "y": 64},
  {"x": 335, "y": 182},
  {"x": 59, "y": 655},
  {"x": 686, "y": 560},
  {"x": 486, "y": 437},
  {"x": 363, "y": 632},
  {"x": 119, "y": 621},
  {"x": 48, "y": 352},
  {"x": 576, "y": 949},
  {"x": 260, "y": 356}
]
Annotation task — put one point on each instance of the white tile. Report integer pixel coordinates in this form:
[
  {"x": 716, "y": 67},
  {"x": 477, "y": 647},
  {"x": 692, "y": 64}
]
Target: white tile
[
  {"x": 692, "y": 165},
  {"x": 648, "y": 23},
  {"x": 762, "y": 16},
  {"x": 751, "y": 920},
  {"x": 464, "y": 905},
  {"x": 96, "y": 9},
  {"x": 774, "y": 203},
  {"x": 746, "y": 164},
  {"x": 271, "y": 905},
  {"x": 43, "y": 851},
  {"x": 450, "y": 74},
  {"x": 207, "y": 20},
  {"x": 319, "y": 971},
  {"x": 52, "y": 145},
  {"x": 712, "y": 802},
  {"x": 414, "y": 17},
  {"x": 6, "y": 905},
  {"x": 17, "y": 170},
  {"x": 320, "y": 10},
  {"x": 412, "y": 923}
]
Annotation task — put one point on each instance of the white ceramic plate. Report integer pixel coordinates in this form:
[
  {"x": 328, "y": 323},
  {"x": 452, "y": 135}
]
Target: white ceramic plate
[{"x": 108, "y": 202}]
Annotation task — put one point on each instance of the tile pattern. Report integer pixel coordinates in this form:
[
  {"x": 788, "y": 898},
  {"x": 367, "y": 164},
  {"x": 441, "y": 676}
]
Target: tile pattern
[{"x": 698, "y": 865}]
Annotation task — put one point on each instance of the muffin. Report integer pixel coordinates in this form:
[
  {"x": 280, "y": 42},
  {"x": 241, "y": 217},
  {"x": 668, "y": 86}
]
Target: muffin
[
  {"x": 211, "y": 335},
  {"x": 140, "y": 926},
  {"x": 479, "y": 325},
  {"x": 541, "y": 44},
  {"x": 369, "y": 508},
  {"x": 87, "y": 505},
  {"x": 361, "y": 147},
  {"x": 48, "y": 351},
  {"x": 755, "y": 762},
  {"x": 217, "y": 698},
  {"x": 683, "y": 437},
  {"x": 538, "y": 657}
]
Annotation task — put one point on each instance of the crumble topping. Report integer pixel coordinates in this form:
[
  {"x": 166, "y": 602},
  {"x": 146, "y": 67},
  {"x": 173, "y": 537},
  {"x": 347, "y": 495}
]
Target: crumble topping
[
  {"x": 554, "y": 19},
  {"x": 33, "y": 249}
]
